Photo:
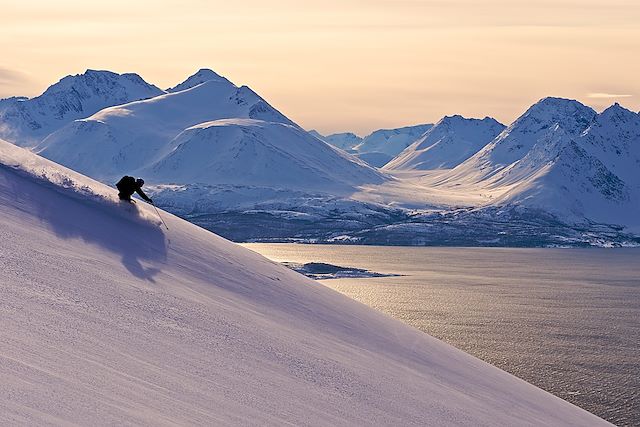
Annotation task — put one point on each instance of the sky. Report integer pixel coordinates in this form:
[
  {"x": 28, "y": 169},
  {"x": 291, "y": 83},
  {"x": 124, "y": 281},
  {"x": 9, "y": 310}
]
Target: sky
[{"x": 342, "y": 65}]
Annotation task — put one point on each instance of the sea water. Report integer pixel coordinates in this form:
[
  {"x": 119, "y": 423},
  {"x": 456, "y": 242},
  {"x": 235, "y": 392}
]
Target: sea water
[{"x": 566, "y": 320}]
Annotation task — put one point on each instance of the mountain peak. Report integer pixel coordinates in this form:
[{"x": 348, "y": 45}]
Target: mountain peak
[
  {"x": 72, "y": 97},
  {"x": 201, "y": 76},
  {"x": 448, "y": 143},
  {"x": 569, "y": 114},
  {"x": 316, "y": 134},
  {"x": 457, "y": 119},
  {"x": 99, "y": 81},
  {"x": 558, "y": 104},
  {"x": 90, "y": 71},
  {"x": 616, "y": 111},
  {"x": 345, "y": 134}
]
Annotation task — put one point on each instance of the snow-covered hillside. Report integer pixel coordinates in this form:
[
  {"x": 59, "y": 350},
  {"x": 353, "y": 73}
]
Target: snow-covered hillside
[
  {"x": 122, "y": 139},
  {"x": 562, "y": 159},
  {"x": 257, "y": 153},
  {"x": 109, "y": 319},
  {"x": 377, "y": 148},
  {"x": 201, "y": 76},
  {"x": 26, "y": 121},
  {"x": 614, "y": 138},
  {"x": 391, "y": 141},
  {"x": 447, "y": 144},
  {"x": 544, "y": 118},
  {"x": 593, "y": 177},
  {"x": 205, "y": 131},
  {"x": 344, "y": 141}
]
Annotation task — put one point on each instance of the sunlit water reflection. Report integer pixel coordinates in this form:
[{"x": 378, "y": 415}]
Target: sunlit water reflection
[{"x": 566, "y": 320}]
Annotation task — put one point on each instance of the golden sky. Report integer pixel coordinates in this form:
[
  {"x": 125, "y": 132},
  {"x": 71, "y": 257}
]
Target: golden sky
[{"x": 342, "y": 65}]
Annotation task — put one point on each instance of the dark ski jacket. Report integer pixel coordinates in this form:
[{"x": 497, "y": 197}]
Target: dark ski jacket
[{"x": 127, "y": 186}]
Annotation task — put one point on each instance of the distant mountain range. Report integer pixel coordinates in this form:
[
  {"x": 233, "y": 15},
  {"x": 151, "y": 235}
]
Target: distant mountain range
[
  {"x": 447, "y": 144},
  {"x": 223, "y": 157},
  {"x": 379, "y": 147}
]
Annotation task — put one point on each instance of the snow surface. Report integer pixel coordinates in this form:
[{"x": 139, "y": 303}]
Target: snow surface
[
  {"x": 391, "y": 141},
  {"x": 345, "y": 140},
  {"x": 562, "y": 158},
  {"x": 378, "y": 147},
  {"x": 255, "y": 152},
  {"x": 201, "y": 76},
  {"x": 447, "y": 144},
  {"x": 108, "y": 319},
  {"x": 120, "y": 139},
  {"x": 516, "y": 141},
  {"x": 26, "y": 121},
  {"x": 375, "y": 158}
]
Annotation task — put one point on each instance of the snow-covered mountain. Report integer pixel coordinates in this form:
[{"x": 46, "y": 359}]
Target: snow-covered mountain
[
  {"x": 109, "y": 319},
  {"x": 593, "y": 177},
  {"x": 448, "y": 143},
  {"x": 210, "y": 133},
  {"x": 545, "y": 117},
  {"x": 258, "y": 153},
  {"x": 201, "y": 76},
  {"x": 125, "y": 138},
  {"x": 381, "y": 146},
  {"x": 564, "y": 159},
  {"x": 26, "y": 122},
  {"x": 378, "y": 147},
  {"x": 391, "y": 141},
  {"x": 614, "y": 138},
  {"x": 344, "y": 141}
]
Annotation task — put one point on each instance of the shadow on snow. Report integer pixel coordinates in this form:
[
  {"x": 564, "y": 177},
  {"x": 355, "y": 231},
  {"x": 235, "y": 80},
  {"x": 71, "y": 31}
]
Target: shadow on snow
[{"x": 117, "y": 227}]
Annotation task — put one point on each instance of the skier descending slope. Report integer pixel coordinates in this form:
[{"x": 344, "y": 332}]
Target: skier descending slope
[{"x": 129, "y": 185}]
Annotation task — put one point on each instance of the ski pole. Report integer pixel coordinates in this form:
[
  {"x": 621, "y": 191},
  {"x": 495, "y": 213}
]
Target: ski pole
[{"x": 159, "y": 216}]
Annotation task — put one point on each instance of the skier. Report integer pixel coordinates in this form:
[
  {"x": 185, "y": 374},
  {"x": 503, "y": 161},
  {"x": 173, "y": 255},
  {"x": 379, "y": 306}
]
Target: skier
[{"x": 129, "y": 185}]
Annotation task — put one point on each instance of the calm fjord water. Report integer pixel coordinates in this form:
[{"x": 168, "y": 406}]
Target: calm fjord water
[{"x": 566, "y": 320}]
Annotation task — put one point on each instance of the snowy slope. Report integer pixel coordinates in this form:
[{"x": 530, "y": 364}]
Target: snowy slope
[
  {"x": 391, "y": 141},
  {"x": 374, "y": 158},
  {"x": 258, "y": 153},
  {"x": 593, "y": 177},
  {"x": 614, "y": 138},
  {"x": 345, "y": 140},
  {"x": 447, "y": 144},
  {"x": 27, "y": 121},
  {"x": 549, "y": 118},
  {"x": 541, "y": 119},
  {"x": 201, "y": 76},
  {"x": 560, "y": 158},
  {"x": 110, "y": 320},
  {"x": 121, "y": 139},
  {"x": 519, "y": 138}
]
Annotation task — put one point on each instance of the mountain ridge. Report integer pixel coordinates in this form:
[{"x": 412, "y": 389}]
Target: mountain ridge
[
  {"x": 452, "y": 140},
  {"x": 526, "y": 164},
  {"x": 25, "y": 121}
]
